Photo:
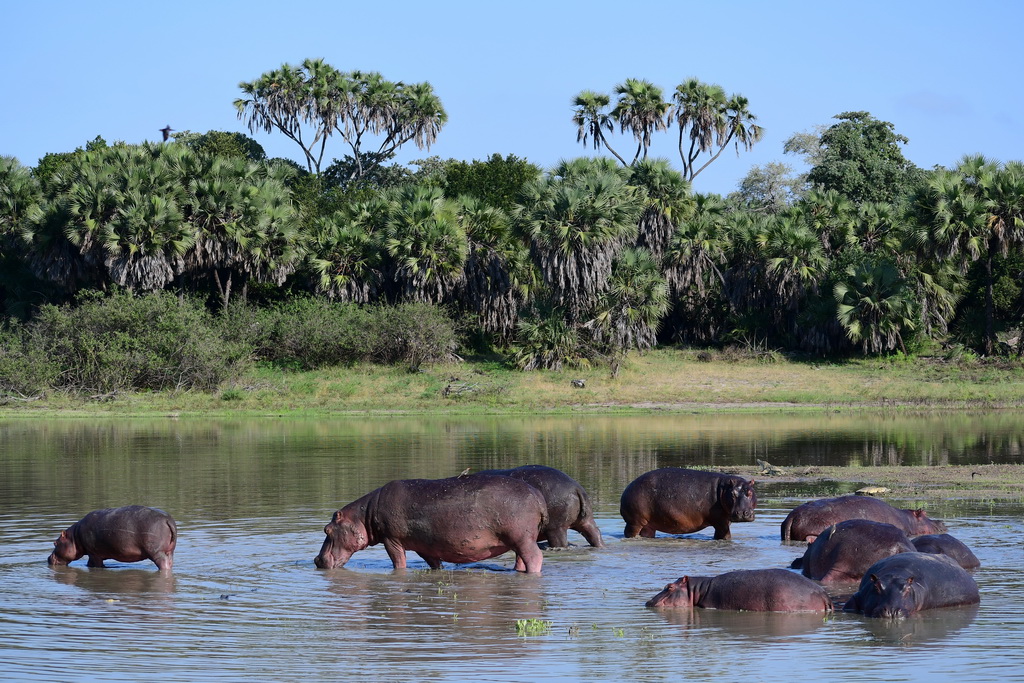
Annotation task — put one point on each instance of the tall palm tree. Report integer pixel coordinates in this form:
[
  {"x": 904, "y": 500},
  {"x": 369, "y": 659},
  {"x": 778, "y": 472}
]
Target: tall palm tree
[
  {"x": 641, "y": 110},
  {"x": 592, "y": 121},
  {"x": 713, "y": 120},
  {"x": 346, "y": 250}
]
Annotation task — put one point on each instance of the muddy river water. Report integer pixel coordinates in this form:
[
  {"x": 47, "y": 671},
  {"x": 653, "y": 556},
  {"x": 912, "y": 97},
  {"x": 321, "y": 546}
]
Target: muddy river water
[{"x": 251, "y": 497}]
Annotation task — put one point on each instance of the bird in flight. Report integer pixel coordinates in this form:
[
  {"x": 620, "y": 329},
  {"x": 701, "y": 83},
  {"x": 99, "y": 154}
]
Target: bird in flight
[{"x": 167, "y": 132}]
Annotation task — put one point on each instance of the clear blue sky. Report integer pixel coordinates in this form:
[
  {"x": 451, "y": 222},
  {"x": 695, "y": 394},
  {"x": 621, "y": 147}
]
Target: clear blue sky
[{"x": 946, "y": 74}]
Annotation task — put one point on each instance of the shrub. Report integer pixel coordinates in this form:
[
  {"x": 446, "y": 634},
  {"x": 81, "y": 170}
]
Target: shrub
[
  {"x": 121, "y": 342},
  {"x": 24, "y": 371}
]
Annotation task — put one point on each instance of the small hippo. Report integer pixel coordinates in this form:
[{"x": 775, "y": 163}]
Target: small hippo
[
  {"x": 754, "y": 590},
  {"x": 568, "y": 504},
  {"x": 127, "y": 534},
  {"x": 675, "y": 500},
  {"x": 907, "y": 583},
  {"x": 944, "y": 544},
  {"x": 459, "y": 519},
  {"x": 844, "y": 551},
  {"x": 810, "y": 519}
]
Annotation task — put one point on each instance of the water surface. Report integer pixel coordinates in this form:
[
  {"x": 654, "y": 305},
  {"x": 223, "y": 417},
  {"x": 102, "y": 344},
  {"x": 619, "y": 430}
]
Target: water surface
[{"x": 251, "y": 498}]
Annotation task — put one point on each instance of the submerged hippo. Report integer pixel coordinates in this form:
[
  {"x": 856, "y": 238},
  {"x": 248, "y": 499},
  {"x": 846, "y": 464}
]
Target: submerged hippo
[
  {"x": 459, "y": 519},
  {"x": 905, "y": 584},
  {"x": 568, "y": 504},
  {"x": 844, "y": 551},
  {"x": 811, "y": 518},
  {"x": 127, "y": 534},
  {"x": 681, "y": 501},
  {"x": 754, "y": 590},
  {"x": 944, "y": 544}
]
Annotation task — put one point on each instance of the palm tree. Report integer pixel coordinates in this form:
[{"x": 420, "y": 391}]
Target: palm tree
[
  {"x": 713, "y": 120},
  {"x": 875, "y": 306},
  {"x": 973, "y": 212},
  {"x": 640, "y": 109},
  {"x": 668, "y": 201},
  {"x": 629, "y": 312},
  {"x": 592, "y": 121},
  {"x": 578, "y": 218},
  {"x": 346, "y": 250},
  {"x": 499, "y": 275},
  {"x": 425, "y": 243}
]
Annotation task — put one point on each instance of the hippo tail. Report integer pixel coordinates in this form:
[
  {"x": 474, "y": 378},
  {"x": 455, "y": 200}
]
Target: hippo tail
[
  {"x": 586, "y": 511},
  {"x": 787, "y": 528}
]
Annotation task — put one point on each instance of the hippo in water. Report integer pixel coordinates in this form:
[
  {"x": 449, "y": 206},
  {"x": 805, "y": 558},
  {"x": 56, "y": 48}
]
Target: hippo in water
[
  {"x": 459, "y": 519},
  {"x": 127, "y": 534},
  {"x": 568, "y": 504},
  {"x": 944, "y": 544},
  {"x": 754, "y": 590},
  {"x": 844, "y": 551},
  {"x": 907, "y": 583},
  {"x": 681, "y": 501},
  {"x": 810, "y": 519}
]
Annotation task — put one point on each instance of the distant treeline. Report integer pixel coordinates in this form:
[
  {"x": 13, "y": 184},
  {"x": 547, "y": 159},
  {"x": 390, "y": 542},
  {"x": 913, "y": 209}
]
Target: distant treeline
[{"x": 581, "y": 263}]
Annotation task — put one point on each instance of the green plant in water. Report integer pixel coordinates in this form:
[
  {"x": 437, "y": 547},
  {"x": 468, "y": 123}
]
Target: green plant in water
[{"x": 532, "y": 627}]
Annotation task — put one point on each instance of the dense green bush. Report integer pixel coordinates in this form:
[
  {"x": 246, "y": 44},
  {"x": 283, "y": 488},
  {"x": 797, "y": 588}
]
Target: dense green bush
[
  {"x": 123, "y": 342},
  {"x": 309, "y": 333},
  {"x": 25, "y": 371}
]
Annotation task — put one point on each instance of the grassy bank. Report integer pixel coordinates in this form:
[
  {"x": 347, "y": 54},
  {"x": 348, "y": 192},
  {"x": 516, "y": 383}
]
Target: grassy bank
[{"x": 663, "y": 380}]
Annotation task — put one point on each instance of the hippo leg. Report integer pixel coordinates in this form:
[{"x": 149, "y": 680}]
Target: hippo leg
[
  {"x": 722, "y": 532},
  {"x": 432, "y": 562},
  {"x": 164, "y": 561},
  {"x": 632, "y": 530},
  {"x": 529, "y": 557},
  {"x": 94, "y": 561},
  {"x": 557, "y": 537},
  {"x": 648, "y": 532},
  {"x": 591, "y": 533},
  {"x": 396, "y": 551}
]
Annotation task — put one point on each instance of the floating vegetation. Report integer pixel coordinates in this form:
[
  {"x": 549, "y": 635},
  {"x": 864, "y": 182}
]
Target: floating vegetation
[{"x": 532, "y": 627}]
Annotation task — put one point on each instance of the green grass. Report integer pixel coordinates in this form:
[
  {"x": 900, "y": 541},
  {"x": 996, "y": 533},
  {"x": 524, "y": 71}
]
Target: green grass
[{"x": 662, "y": 380}]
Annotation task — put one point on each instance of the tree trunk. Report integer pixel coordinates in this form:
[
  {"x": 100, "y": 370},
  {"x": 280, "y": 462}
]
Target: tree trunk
[{"x": 989, "y": 301}]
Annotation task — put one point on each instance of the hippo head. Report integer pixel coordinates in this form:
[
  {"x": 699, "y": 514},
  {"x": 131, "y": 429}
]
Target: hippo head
[
  {"x": 64, "y": 550},
  {"x": 738, "y": 498},
  {"x": 676, "y": 594},
  {"x": 345, "y": 535},
  {"x": 891, "y": 598},
  {"x": 923, "y": 524}
]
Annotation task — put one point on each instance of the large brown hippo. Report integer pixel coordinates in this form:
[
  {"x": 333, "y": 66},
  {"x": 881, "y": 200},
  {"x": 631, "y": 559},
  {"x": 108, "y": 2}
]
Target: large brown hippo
[
  {"x": 810, "y": 519},
  {"x": 127, "y": 534},
  {"x": 568, "y": 504},
  {"x": 675, "y": 500},
  {"x": 459, "y": 519},
  {"x": 944, "y": 544},
  {"x": 754, "y": 590},
  {"x": 904, "y": 584},
  {"x": 844, "y": 551}
]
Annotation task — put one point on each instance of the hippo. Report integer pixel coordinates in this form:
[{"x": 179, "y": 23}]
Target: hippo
[
  {"x": 907, "y": 583},
  {"x": 811, "y": 518},
  {"x": 127, "y": 534},
  {"x": 568, "y": 504},
  {"x": 459, "y": 519},
  {"x": 754, "y": 590},
  {"x": 844, "y": 551},
  {"x": 681, "y": 501},
  {"x": 944, "y": 544}
]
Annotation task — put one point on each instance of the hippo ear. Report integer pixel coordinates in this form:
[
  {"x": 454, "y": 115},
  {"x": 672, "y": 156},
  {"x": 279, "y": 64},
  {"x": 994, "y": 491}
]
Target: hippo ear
[
  {"x": 919, "y": 513},
  {"x": 811, "y": 539},
  {"x": 876, "y": 582},
  {"x": 338, "y": 517}
]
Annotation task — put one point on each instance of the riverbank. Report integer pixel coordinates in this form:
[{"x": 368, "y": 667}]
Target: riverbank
[{"x": 662, "y": 380}]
